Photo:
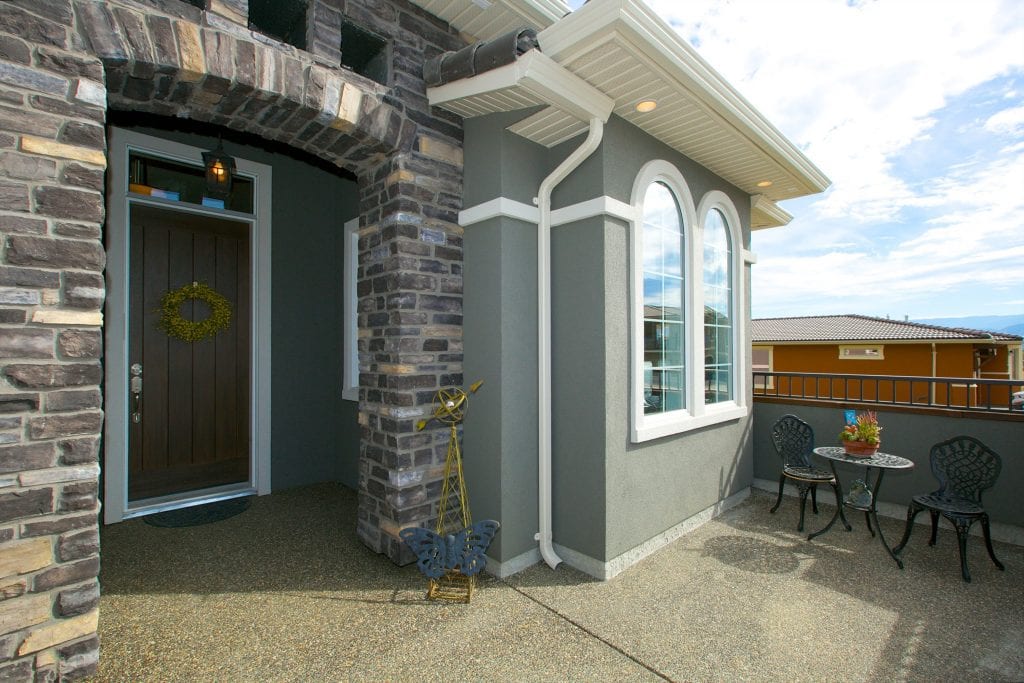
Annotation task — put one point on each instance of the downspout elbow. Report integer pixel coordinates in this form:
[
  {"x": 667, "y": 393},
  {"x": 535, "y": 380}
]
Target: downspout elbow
[{"x": 544, "y": 480}]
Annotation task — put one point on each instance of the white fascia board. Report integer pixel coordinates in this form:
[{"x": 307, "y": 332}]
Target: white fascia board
[
  {"x": 775, "y": 214},
  {"x": 649, "y": 35},
  {"x": 542, "y": 77}
]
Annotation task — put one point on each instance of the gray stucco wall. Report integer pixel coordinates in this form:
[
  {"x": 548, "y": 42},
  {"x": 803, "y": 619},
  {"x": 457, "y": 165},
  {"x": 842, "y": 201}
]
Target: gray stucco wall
[
  {"x": 314, "y": 432},
  {"x": 580, "y": 349},
  {"x": 609, "y": 495},
  {"x": 500, "y": 435},
  {"x": 500, "y": 330},
  {"x": 910, "y": 435},
  {"x": 652, "y": 486}
]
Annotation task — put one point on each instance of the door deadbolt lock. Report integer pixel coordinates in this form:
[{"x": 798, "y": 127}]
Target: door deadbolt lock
[{"x": 136, "y": 391}]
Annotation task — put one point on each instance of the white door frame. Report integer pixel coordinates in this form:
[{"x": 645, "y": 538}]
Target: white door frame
[{"x": 115, "y": 460}]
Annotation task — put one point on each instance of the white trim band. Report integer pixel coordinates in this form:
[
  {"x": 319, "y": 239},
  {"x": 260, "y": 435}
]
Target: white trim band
[
  {"x": 499, "y": 207},
  {"x": 598, "y": 206},
  {"x": 503, "y": 207}
]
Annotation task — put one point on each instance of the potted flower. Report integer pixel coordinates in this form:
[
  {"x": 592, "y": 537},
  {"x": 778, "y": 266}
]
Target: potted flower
[{"x": 864, "y": 436}]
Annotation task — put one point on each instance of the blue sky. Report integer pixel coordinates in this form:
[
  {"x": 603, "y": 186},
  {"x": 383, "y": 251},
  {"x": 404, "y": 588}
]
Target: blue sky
[{"x": 915, "y": 110}]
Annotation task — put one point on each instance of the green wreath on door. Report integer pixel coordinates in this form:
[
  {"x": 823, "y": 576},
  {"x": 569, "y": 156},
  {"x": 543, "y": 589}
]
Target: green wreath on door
[{"x": 176, "y": 325}]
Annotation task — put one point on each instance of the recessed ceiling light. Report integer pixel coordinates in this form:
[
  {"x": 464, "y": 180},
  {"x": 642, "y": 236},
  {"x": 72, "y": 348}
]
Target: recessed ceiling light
[
  {"x": 765, "y": 183},
  {"x": 644, "y": 106}
]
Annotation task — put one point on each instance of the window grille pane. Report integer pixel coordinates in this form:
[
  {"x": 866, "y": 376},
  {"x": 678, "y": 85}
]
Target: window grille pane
[
  {"x": 717, "y": 271},
  {"x": 664, "y": 344}
]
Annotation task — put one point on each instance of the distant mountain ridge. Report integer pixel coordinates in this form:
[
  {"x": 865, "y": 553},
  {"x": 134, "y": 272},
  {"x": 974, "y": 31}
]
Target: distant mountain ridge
[{"x": 1008, "y": 324}]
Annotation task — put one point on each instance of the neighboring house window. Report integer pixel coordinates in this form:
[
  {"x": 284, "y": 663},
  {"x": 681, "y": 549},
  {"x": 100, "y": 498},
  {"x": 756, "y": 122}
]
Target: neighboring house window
[
  {"x": 685, "y": 368},
  {"x": 861, "y": 352},
  {"x": 761, "y": 361}
]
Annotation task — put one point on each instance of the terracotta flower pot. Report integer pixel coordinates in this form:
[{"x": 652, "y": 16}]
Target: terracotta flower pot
[{"x": 860, "y": 449}]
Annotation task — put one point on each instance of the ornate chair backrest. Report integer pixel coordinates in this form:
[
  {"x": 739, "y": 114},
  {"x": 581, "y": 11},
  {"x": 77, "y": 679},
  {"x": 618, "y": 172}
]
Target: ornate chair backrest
[
  {"x": 794, "y": 440},
  {"x": 964, "y": 467}
]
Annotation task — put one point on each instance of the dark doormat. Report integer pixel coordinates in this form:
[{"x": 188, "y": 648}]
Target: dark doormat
[{"x": 200, "y": 514}]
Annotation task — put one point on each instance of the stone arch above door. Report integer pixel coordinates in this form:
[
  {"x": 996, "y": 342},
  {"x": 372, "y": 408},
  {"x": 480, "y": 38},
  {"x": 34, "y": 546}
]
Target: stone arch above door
[{"x": 230, "y": 76}]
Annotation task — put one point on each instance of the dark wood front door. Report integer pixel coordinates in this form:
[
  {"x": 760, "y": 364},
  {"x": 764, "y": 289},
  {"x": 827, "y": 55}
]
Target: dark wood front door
[{"x": 188, "y": 427}]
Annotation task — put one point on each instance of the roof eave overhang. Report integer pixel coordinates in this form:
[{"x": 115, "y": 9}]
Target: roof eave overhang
[
  {"x": 537, "y": 76},
  {"x": 633, "y": 22},
  {"x": 756, "y": 147},
  {"x": 486, "y": 19},
  {"x": 764, "y": 213}
]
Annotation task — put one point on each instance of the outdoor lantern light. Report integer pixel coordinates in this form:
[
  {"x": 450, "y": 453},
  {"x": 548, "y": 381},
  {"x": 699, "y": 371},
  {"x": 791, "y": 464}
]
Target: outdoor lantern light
[{"x": 220, "y": 167}]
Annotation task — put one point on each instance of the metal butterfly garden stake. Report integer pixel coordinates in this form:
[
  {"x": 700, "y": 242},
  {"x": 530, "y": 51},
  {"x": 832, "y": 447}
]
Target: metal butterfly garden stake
[{"x": 454, "y": 553}]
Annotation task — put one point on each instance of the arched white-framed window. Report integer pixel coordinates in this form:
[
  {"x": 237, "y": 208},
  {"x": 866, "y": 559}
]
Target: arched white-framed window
[
  {"x": 684, "y": 261},
  {"x": 721, "y": 300},
  {"x": 662, "y": 300}
]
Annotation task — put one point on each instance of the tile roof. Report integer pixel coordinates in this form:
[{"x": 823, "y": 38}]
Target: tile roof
[{"x": 842, "y": 328}]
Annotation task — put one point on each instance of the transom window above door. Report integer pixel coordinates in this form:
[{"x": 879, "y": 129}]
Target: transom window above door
[{"x": 179, "y": 181}]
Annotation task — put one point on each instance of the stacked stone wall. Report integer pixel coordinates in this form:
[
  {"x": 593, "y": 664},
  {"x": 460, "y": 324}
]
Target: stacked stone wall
[
  {"x": 52, "y": 162},
  {"x": 62, "y": 64}
]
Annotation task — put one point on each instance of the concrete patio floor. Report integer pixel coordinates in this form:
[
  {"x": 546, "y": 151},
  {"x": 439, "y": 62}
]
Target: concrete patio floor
[{"x": 286, "y": 592}]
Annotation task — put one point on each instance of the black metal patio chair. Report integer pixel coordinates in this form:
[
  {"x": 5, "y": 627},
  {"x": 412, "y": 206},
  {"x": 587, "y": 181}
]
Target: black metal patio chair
[
  {"x": 965, "y": 468},
  {"x": 794, "y": 441}
]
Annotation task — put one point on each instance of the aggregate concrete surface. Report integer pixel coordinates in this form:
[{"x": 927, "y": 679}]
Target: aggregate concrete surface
[{"x": 286, "y": 592}]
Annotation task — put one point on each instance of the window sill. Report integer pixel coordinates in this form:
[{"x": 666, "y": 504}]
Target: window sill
[{"x": 667, "y": 425}]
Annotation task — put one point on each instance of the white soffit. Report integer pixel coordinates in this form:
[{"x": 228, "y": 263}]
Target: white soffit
[
  {"x": 486, "y": 19},
  {"x": 629, "y": 53}
]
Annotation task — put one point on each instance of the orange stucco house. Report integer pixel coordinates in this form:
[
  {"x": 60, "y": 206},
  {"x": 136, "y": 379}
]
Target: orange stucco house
[{"x": 862, "y": 345}]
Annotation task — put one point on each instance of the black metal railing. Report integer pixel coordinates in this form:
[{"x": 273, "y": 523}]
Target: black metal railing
[{"x": 954, "y": 393}]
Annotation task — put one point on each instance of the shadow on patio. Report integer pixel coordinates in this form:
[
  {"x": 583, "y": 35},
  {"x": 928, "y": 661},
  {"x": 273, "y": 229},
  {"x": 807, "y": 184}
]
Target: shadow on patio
[{"x": 285, "y": 591}]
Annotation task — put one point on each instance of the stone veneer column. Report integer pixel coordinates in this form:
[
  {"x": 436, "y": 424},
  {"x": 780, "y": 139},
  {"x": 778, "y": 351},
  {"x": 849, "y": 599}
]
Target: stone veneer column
[
  {"x": 52, "y": 161},
  {"x": 410, "y": 343},
  {"x": 410, "y": 274}
]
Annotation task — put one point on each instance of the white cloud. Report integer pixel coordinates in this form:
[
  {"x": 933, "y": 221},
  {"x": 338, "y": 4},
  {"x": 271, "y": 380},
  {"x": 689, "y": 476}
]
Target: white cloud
[
  {"x": 1008, "y": 121},
  {"x": 974, "y": 246}
]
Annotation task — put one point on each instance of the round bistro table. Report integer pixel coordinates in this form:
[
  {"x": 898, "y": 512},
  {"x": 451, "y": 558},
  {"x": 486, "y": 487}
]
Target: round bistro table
[{"x": 865, "y": 498}]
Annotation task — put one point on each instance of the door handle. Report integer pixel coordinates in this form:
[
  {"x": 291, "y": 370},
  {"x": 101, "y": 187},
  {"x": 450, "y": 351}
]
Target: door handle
[{"x": 136, "y": 391}]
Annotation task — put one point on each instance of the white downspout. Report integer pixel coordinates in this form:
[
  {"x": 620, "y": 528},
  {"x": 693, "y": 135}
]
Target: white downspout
[{"x": 544, "y": 332}]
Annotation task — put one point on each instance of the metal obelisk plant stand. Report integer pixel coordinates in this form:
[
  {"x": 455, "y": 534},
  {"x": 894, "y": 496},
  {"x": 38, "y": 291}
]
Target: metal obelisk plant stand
[{"x": 453, "y": 554}]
